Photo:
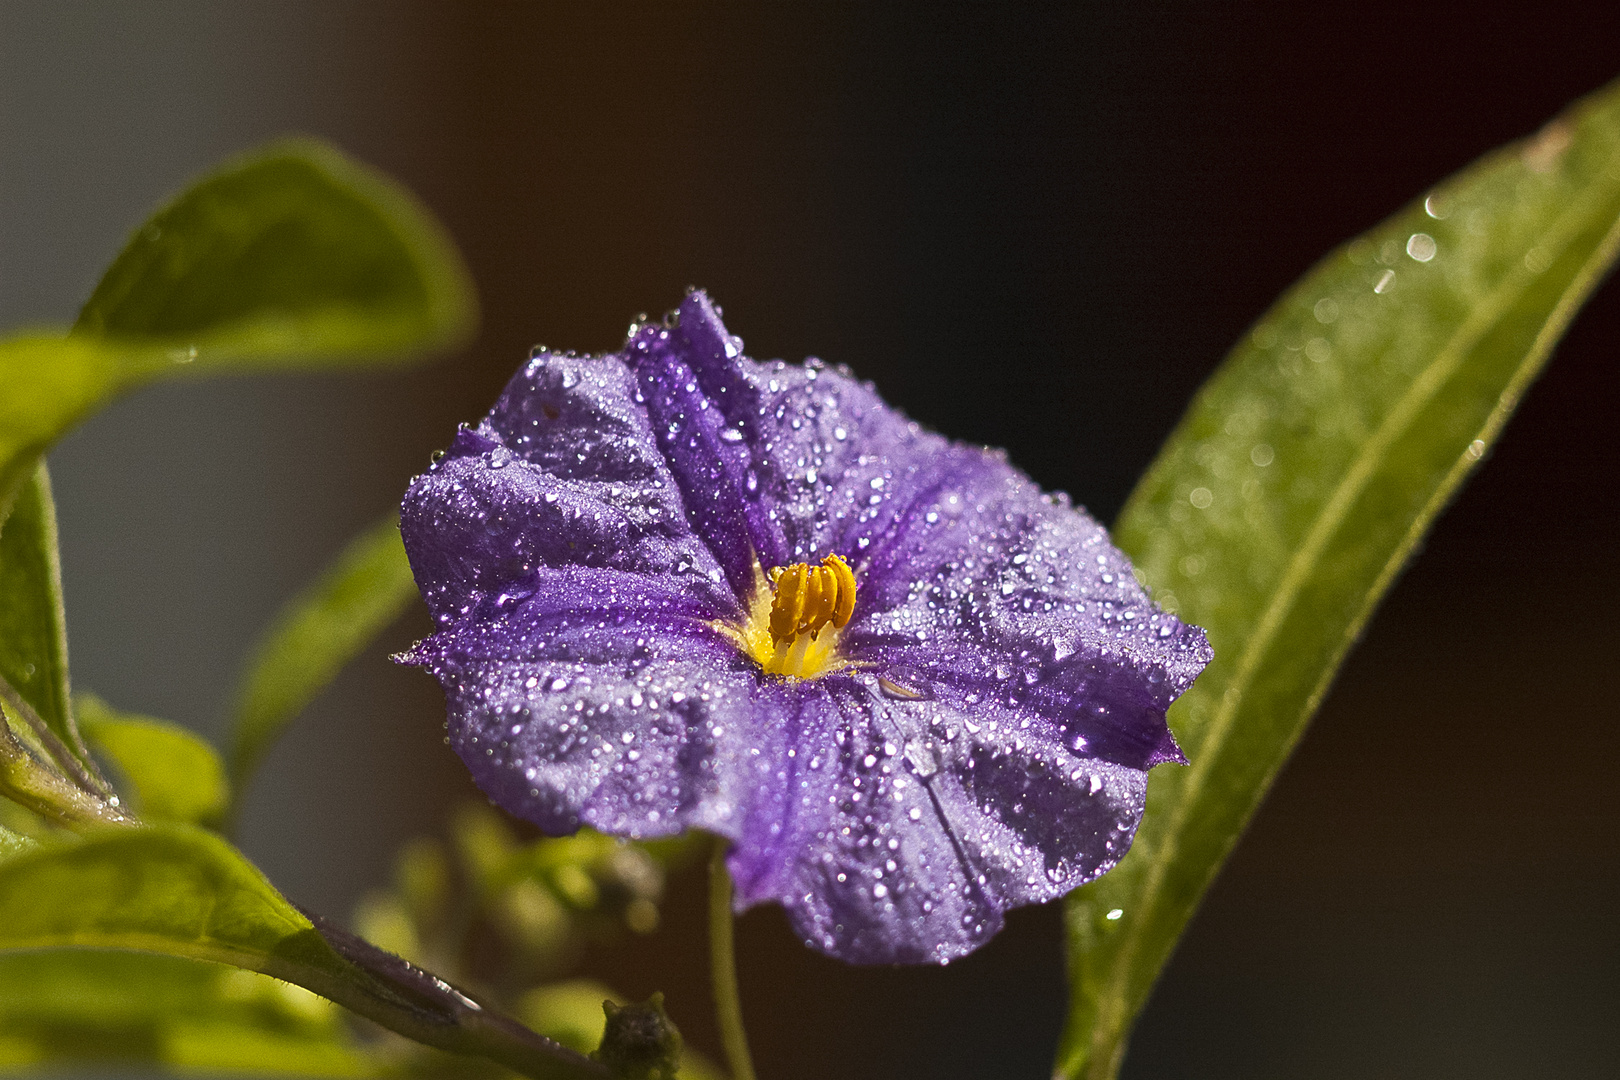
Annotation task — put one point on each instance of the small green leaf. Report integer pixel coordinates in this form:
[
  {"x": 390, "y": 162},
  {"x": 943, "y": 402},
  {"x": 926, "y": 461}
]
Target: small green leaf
[
  {"x": 76, "y": 1006},
  {"x": 47, "y": 384},
  {"x": 178, "y": 891},
  {"x": 290, "y": 255},
  {"x": 33, "y": 629},
  {"x": 175, "y": 775},
  {"x": 1298, "y": 484},
  {"x": 316, "y": 634}
]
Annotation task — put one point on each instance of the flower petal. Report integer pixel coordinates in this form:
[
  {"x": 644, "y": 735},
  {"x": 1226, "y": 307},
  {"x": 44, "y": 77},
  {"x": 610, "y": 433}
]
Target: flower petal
[
  {"x": 606, "y": 699},
  {"x": 907, "y": 828},
  {"x": 564, "y": 471},
  {"x": 1024, "y": 603},
  {"x": 775, "y": 461}
]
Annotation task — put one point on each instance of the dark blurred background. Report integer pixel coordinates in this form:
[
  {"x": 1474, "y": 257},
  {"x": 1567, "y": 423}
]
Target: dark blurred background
[{"x": 1034, "y": 226}]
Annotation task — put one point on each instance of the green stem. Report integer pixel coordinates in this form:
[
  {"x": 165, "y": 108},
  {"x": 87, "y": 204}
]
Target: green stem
[
  {"x": 723, "y": 968},
  {"x": 50, "y": 746},
  {"x": 30, "y": 782}
]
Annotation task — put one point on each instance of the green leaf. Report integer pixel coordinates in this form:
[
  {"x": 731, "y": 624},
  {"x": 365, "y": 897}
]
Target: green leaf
[
  {"x": 98, "y": 1007},
  {"x": 33, "y": 629},
  {"x": 12, "y": 843},
  {"x": 315, "y": 635},
  {"x": 167, "y": 889},
  {"x": 293, "y": 256},
  {"x": 175, "y": 775},
  {"x": 290, "y": 255},
  {"x": 182, "y": 892},
  {"x": 1297, "y": 486},
  {"x": 47, "y": 384}
]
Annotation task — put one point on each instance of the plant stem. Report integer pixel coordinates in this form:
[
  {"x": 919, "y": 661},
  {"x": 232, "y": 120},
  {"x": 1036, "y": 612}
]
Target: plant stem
[
  {"x": 83, "y": 773},
  {"x": 26, "y": 780},
  {"x": 423, "y": 1007},
  {"x": 723, "y": 967}
]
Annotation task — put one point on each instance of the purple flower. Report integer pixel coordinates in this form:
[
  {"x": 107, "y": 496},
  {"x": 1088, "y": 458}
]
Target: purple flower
[{"x": 945, "y": 705}]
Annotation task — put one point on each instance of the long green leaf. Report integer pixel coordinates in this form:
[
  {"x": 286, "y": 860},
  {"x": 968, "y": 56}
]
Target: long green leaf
[
  {"x": 315, "y": 635},
  {"x": 175, "y": 774},
  {"x": 1297, "y": 486},
  {"x": 33, "y": 629},
  {"x": 292, "y": 256},
  {"x": 182, "y": 892},
  {"x": 75, "y": 1006}
]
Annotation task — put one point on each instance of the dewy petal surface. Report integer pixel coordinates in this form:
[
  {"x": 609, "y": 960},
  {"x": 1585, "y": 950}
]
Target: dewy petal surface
[{"x": 986, "y": 743}]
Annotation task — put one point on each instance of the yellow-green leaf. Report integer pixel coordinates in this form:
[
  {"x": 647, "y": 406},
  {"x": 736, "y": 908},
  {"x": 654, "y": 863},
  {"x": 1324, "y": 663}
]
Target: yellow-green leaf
[
  {"x": 293, "y": 256},
  {"x": 179, "y": 891},
  {"x": 78, "y": 1007},
  {"x": 47, "y": 384},
  {"x": 175, "y": 775},
  {"x": 12, "y": 843}
]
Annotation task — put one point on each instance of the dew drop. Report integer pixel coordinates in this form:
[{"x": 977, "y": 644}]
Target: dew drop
[{"x": 1421, "y": 246}]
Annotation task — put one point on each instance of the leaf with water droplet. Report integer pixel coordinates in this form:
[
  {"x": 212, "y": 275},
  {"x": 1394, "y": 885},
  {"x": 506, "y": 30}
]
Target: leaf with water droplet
[
  {"x": 292, "y": 256},
  {"x": 1283, "y": 563},
  {"x": 12, "y": 843}
]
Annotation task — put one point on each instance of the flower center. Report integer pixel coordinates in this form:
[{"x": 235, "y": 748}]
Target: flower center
[{"x": 798, "y": 610}]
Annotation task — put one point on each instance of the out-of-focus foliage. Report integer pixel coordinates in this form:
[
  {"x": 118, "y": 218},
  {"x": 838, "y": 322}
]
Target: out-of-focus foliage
[
  {"x": 511, "y": 915},
  {"x": 315, "y": 636},
  {"x": 507, "y": 913},
  {"x": 174, "y": 775},
  {"x": 572, "y": 1013},
  {"x": 1298, "y": 484},
  {"x": 93, "y": 1008}
]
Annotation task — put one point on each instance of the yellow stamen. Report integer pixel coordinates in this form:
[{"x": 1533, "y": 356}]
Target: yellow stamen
[{"x": 787, "y": 629}]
